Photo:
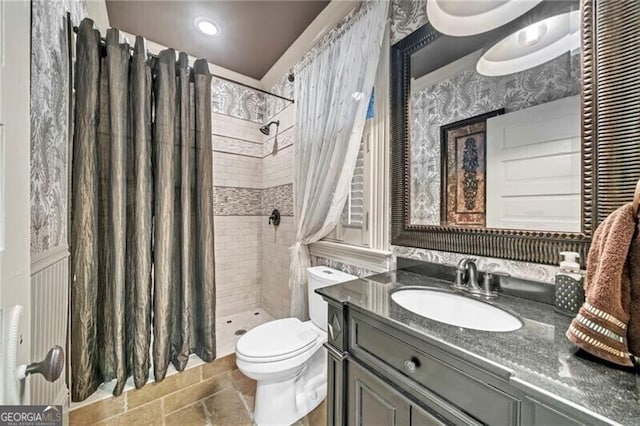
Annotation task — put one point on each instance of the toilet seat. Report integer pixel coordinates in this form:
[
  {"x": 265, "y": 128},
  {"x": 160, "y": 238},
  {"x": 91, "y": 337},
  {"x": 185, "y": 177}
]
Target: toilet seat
[{"x": 277, "y": 341}]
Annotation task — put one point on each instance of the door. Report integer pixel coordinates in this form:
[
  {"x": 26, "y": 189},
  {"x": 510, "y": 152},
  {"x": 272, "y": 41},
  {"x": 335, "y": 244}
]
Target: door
[
  {"x": 15, "y": 37},
  {"x": 372, "y": 402},
  {"x": 533, "y": 168}
]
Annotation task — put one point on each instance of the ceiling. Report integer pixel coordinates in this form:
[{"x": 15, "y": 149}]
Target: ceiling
[{"x": 254, "y": 34}]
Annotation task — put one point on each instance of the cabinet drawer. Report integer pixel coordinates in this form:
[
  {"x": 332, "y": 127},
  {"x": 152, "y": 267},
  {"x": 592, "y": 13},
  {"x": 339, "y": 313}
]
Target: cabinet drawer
[{"x": 480, "y": 400}]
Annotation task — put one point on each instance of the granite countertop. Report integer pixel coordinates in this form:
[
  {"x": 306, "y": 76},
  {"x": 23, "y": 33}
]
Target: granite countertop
[{"x": 538, "y": 357}]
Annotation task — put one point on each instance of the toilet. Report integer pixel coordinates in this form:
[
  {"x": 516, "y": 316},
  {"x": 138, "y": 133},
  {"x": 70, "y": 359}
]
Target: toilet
[{"x": 287, "y": 359}]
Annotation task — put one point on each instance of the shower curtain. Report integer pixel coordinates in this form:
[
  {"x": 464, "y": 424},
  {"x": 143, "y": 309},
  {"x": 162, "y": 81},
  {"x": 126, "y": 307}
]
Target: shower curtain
[
  {"x": 141, "y": 214},
  {"x": 332, "y": 94}
]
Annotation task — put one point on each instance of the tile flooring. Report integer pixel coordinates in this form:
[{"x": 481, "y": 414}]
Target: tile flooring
[
  {"x": 223, "y": 396},
  {"x": 234, "y": 407},
  {"x": 215, "y": 393}
]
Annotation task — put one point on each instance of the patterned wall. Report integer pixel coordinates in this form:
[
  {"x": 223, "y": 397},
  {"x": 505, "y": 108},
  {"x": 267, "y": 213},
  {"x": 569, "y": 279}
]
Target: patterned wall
[
  {"x": 525, "y": 270},
  {"x": 406, "y": 17},
  {"x": 50, "y": 121},
  {"x": 237, "y": 101},
  {"x": 466, "y": 95}
]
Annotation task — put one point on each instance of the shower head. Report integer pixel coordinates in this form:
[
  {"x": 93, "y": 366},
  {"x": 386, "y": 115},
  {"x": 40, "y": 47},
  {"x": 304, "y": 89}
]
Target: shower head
[
  {"x": 265, "y": 130},
  {"x": 51, "y": 367}
]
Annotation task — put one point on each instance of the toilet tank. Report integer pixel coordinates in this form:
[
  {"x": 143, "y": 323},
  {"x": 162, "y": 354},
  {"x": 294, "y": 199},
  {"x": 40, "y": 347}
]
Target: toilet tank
[{"x": 318, "y": 277}]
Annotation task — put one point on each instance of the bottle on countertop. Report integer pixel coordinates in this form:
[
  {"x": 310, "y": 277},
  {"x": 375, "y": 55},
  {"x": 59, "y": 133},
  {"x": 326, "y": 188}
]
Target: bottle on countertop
[{"x": 569, "y": 285}]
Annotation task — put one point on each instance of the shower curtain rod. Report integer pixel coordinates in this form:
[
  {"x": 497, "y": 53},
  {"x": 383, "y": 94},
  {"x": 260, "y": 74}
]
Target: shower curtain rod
[{"x": 153, "y": 55}]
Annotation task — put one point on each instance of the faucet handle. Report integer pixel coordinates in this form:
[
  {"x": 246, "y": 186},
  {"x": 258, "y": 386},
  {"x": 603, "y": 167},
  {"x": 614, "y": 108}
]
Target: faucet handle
[
  {"x": 459, "y": 283},
  {"x": 487, "y": 281}
]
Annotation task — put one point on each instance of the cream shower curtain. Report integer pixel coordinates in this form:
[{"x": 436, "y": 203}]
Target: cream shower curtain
[
  {"x": 141, "y": 214},
  {"x": 332, "y": 90}
]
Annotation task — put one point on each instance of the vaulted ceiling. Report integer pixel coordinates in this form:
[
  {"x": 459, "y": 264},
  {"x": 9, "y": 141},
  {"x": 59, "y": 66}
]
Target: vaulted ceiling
[{"x": 253, "y": 34}]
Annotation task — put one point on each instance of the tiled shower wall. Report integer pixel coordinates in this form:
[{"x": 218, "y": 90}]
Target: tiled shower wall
[
  {"x": 277, "y": 181},
  {"x": 250, "y": 180},
  {"x": 237, "y": 114},
  {"x": 237, "y": 195}
]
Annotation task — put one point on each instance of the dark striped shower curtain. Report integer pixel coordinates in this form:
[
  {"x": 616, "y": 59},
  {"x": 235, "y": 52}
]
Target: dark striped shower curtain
[{"x": 142, "y": 258}]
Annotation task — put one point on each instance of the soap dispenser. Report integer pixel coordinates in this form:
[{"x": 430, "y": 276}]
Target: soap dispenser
[{"x": 569, "y": 285}]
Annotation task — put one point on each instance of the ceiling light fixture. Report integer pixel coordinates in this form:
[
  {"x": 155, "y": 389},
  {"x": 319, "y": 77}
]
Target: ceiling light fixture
[
  {"x": 532, "y": 34},
  {"x": 468, "y": 17},
  {"x": 206, "y": 26},
  {"x": 532, "y": 46}
]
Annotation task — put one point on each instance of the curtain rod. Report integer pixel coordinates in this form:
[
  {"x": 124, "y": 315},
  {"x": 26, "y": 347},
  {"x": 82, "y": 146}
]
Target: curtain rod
[{"x": 153, "y": 55}]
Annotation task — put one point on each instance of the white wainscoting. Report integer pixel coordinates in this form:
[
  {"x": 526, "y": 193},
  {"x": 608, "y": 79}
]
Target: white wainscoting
[{"x": 49, "y": 312}]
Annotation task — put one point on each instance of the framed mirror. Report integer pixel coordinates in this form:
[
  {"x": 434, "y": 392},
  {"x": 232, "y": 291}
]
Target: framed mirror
[{"x": 500, "y": 145}]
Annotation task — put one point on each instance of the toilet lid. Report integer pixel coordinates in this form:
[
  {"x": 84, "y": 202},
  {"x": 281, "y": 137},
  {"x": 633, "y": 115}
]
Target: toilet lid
[{"x": 277, "y": 339}]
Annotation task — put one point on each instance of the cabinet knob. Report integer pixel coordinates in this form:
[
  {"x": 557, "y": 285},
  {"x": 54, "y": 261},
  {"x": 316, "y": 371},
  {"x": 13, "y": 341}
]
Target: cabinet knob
[{"x": 410, "y": 365}]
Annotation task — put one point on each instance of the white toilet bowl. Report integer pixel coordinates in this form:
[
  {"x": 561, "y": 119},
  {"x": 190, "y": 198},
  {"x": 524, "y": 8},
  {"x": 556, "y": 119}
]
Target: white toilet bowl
[
  {"x": 289, "y": 364},
  {"x": 287, "y": 358}
]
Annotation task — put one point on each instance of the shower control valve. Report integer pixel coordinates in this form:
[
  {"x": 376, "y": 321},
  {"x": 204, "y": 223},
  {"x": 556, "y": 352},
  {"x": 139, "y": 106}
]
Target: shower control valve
[{"x": 274, "y": 219}]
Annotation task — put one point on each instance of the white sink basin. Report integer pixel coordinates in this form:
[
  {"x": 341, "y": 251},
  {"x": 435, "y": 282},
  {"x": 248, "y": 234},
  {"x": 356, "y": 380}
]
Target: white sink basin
[{"x": 453, "y": 309}]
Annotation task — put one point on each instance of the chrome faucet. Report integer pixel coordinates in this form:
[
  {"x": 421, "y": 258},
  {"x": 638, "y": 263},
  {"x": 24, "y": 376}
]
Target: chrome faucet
[{"x": 467, "y": 279}]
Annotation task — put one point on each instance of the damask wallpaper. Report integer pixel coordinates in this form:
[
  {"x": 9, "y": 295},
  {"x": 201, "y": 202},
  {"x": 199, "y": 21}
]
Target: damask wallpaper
[
  {"x": 467, "y": 95},
  {"x": 406, "y": 17},
  {"x": 50, "y": 121},
  {"x": 237, "y": 101}
]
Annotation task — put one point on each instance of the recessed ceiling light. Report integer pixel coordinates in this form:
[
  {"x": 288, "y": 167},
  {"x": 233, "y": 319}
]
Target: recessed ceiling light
[
  {"x": 532, "y": 34},
  {"x": 532, "y": 46},
  {"x": 468, "y": 17},
  {"x": 206, "y": 26}
]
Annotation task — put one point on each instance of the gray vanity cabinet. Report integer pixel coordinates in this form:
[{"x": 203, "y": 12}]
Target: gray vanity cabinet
[
  {"x": 372, "y": 401},
  {"x": 381, "y": 375}
]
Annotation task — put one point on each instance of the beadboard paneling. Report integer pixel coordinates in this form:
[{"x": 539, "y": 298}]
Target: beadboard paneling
[{"x": 49, "y": 304}]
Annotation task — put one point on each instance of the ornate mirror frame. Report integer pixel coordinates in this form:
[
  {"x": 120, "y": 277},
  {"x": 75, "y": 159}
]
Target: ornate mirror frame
[{"x": 610, "y": 105}]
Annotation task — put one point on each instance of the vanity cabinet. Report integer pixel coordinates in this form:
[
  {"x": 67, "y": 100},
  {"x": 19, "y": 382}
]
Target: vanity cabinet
[
  {"x": 381, "y": 374},
  {"x": 372, "y": 401}
]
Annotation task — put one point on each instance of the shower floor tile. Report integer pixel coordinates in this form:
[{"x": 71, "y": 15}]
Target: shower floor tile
[{"x": 230, "y": 328}]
